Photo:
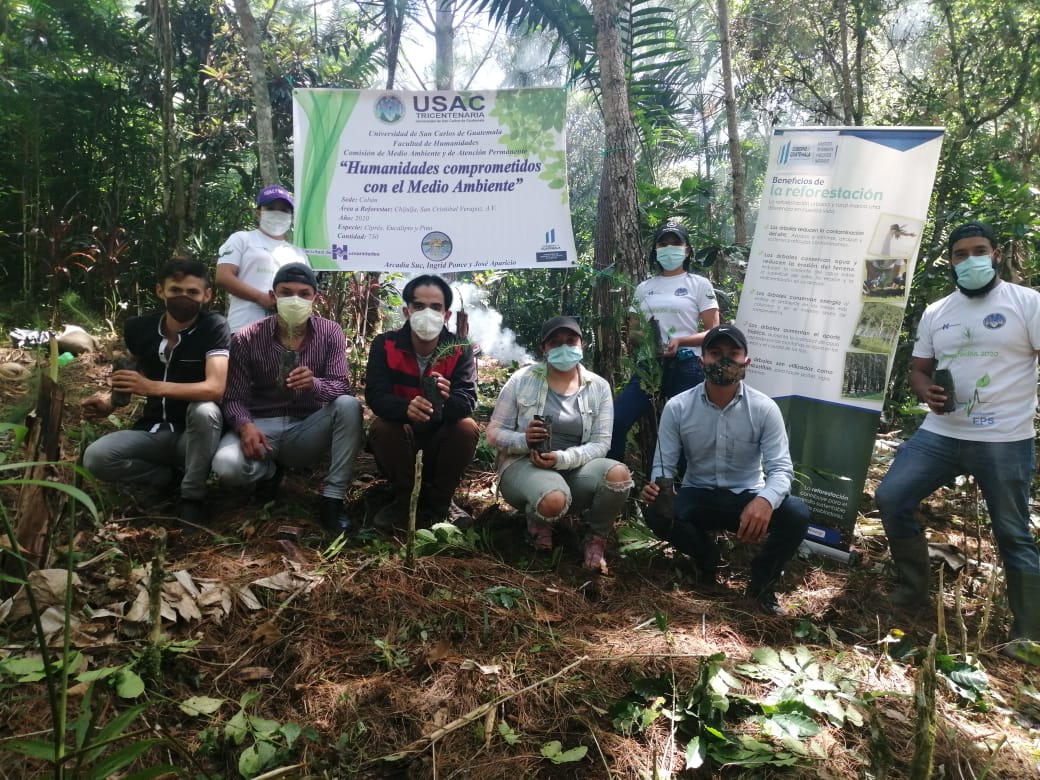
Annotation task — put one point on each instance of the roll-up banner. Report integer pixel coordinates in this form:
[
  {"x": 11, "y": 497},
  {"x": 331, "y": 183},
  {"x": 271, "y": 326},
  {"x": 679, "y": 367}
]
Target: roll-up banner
[{"x": 830, "y": 266}]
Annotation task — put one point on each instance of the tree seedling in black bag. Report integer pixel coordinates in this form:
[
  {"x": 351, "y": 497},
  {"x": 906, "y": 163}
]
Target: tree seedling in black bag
[
  {"x": 432, "y": 393},
  {"x": 122, "y": 363},
  {"x": 290, "y": 359},
  {"x": 545, "y": 445},
  {"x": 944, "y": 379}
]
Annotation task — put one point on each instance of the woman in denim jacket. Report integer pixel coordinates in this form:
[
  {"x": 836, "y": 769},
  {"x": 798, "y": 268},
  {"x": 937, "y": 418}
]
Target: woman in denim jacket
[{"x": 551, "y": 426}]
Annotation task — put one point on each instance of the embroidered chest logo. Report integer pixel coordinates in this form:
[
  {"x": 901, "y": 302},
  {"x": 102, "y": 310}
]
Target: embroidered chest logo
[
  {"x": 994, "y": 321},
  {"x": 681, "y": 291}
]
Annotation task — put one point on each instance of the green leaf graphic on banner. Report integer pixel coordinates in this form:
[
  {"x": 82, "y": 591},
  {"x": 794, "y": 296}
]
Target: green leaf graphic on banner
[
  {"x": 327, "y": 112},
  {"x": 532, "y": 118}
]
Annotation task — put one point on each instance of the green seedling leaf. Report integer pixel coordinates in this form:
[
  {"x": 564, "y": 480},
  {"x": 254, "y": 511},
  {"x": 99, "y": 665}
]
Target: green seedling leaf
[
  {"x": 696, "y": 752},
  {"x": 291, "y": 731},
  {"x": 75, "y": 493},
  {"x": 835, "y": 710},
  {"x": 507, "y": 733},
  {"x": 255, "y": 758},
  {"x": 97, "y": 674},
  {"x": 661, "y": 621},
  {"x": 504, "y": 596},
  {"x": 790, "y": 724},
  {"x": 263, "y": 725},
  {"x": 121, "y": 759},
  {"x": 200, "y": 705},
  {"x": 32, "y": 748},
  {"x": 112, "y": 730},
  {"x": 552, "y": 751},
  {"x": 25, "y": 669},
  {"x": 248, "y": 698},
  {"x": 129, "y": 684},
  {"x": 790, "y": 660},
  {"x": 237, "y": 728},
  {"x": 854, "y": 716}
]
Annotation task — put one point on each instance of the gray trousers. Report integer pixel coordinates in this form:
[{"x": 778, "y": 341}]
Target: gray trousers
[
  {"x": 147, "y": 458},
  {"x": 333, "y": 432}
]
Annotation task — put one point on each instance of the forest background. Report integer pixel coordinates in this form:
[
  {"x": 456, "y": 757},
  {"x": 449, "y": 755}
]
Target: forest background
[{"x": 130, "y": 133}]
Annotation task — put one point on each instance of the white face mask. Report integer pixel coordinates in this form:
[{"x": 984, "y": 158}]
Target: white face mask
[
  {"x": 275, "y": 223},
  {"x": 294, "y": 310},
  {"x": 427, "y": 323}
]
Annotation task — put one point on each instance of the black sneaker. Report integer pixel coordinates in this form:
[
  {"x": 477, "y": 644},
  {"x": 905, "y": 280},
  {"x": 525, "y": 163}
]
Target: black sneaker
[
  {"x": 767, "y": 602},
  {"x": 192, "y": 513},
  {"x": 393, "y": 515},
  {"x": 332, "y": 516},
  {"x": 266, "y": 490},
  {"x": 453, "y": 514}
]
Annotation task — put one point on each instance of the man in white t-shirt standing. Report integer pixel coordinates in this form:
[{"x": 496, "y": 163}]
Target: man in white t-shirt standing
[
  {"x": 987, "y": 336},
  {"x": 248, "y": 261}
]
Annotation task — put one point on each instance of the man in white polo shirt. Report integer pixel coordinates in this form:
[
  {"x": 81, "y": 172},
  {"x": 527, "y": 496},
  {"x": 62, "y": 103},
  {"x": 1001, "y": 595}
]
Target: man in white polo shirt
[{"x": 987, "y": 336}]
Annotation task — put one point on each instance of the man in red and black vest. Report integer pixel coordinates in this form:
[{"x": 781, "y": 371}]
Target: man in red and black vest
[{"x": 422, "y": 387}]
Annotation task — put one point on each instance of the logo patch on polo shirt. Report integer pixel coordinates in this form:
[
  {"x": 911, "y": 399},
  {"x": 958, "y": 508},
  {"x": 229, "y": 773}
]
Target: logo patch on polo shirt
[{"x": 994, "y": 321}]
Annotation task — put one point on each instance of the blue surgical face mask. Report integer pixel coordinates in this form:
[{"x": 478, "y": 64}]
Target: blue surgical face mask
[
  {"x": 671, "y": 257},
  {"x": 975, "y": 272},
  {"x": 564, "y": 357}
]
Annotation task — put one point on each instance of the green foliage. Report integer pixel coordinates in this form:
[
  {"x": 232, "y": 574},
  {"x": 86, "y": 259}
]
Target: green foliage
[
  {"x": 635, "y": 537},
  {"x": 802, "y": 689},
  {"x": 445, "y": 538},
  {"x": 532, "y": 119},
  {"x": 102, "y": 746},
  {"x": 503, "y": 596},
  {"x": 390, "y": 656},
  {"x": 260, "y": 743},
  {"x": 968, "y": 680},
  {"x": 507, "y": 733},
  {"x": 554, "y": 752}
]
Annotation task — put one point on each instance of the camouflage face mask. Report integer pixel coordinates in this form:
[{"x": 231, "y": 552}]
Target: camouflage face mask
[{"x": 725, "y": 371}]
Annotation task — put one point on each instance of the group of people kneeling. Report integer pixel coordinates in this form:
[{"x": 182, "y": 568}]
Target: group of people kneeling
[{"x": 276, "y": 394}]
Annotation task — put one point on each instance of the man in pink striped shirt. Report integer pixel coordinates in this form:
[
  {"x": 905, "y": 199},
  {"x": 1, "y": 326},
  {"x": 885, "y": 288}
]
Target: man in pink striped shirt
[{"x": 287, "y": 400}]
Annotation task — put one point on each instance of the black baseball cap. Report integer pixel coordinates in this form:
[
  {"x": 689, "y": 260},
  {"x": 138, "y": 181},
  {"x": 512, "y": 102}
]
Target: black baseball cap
[
  {"x": 673, "y": 228},
  {"x": 295, "y": 272},
  {"x": 730, "y": 332},
  {"x": 555, "y": 324},
  {"x": 971, "y": 230}
]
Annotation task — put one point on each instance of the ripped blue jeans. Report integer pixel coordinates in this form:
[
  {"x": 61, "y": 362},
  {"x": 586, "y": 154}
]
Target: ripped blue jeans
[{"x": 589, "y": 493}]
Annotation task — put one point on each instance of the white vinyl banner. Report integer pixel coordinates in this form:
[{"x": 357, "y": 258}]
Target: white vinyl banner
[
  {"x": 432, "y": 181},
  {"x": 838, "y": 232}
]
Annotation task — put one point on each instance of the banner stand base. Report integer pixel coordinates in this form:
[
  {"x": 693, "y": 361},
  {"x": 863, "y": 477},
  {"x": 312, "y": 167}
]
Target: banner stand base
[{"x": 808, "y": 547}]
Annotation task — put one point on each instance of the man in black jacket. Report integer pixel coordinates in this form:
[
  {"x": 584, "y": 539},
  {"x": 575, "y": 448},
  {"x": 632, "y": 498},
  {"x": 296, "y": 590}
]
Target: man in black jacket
[{"x": 181, "y": 355}]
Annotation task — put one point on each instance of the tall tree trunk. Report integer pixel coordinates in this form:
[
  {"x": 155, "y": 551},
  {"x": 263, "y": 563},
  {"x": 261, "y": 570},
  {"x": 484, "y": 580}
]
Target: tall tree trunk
[
  {"x": 170, "y": 165},
  {"x": 617, "y": 234},
  {"x": 261, "y": 94},
  {"x": 393, "y": 14},
  {"x": 735, "y": 157},
  {"x": 444, "y": 39}
]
